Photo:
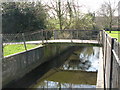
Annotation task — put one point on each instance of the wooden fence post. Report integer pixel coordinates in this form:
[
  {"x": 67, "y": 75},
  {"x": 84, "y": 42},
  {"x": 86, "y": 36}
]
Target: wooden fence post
[
  {"x": 119, "y": 50},
  {"x": 105, "y": 57},
  {"x": 1, "y": 48}
]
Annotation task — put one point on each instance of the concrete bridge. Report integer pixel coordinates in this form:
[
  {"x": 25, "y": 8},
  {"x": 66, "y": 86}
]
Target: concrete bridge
[{"x": 17, "y": 65}]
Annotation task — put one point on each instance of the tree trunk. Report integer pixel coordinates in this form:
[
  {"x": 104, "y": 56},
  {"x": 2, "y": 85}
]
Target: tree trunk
[{"x": 59, "y": 14}]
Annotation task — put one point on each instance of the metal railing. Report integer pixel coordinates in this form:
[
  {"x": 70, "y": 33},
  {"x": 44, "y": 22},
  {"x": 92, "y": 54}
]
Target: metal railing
[
  {"x": 44, "y": 35},
  {"x": 51, "y": 35}
]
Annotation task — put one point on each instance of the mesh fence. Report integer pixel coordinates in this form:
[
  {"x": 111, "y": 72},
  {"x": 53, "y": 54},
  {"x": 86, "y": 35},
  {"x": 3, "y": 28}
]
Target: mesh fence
[
  {"x": 50, "y": 35},
  {"x": 39, "y": 37}
]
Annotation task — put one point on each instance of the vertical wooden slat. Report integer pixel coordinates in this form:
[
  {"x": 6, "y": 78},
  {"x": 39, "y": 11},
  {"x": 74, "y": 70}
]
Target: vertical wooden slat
[
  {"x": 116, "y": 67},
  {"x": 105, "y": 52},
  {"x": 1, "y": 58},
  {"x": 111, "y": 62},
  {"x": 119, "y": 50}
]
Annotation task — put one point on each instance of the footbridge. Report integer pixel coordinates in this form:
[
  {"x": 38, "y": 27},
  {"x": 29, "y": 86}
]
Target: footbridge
[{"x": 18, "y": 65}]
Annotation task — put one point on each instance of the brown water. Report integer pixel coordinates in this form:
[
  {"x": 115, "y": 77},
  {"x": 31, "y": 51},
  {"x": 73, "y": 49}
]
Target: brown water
[{"x": 77, "y": 68}]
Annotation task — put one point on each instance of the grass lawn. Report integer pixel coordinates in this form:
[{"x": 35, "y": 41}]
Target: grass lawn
[
  {"x": 15, "y": 48},
  {"x": 115, "y": 34}
]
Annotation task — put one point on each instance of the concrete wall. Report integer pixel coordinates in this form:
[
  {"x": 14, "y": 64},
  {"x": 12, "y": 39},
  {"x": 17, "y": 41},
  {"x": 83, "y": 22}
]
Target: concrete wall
[{"x": 17, "y": 65}]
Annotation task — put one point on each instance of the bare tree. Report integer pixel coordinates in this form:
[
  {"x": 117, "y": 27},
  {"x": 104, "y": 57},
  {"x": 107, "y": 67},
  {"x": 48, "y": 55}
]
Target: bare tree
[
  {"x": 57, "y": 10},
  {"x": 67, "y": 15},
  {"x": 107, "y": 11}
]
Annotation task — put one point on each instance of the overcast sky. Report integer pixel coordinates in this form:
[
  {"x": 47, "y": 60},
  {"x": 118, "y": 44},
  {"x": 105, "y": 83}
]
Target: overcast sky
[
  {"x": 94, "y": 5},
  {"x": 89, "y": 5}
]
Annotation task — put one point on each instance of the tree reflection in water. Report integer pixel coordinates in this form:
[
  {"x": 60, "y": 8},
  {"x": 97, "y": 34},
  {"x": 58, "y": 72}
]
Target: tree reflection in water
[
  {"x": 76, "y": 72},
  {"x": 51, "y": 84},
  {"x": 82, "y": 59}
]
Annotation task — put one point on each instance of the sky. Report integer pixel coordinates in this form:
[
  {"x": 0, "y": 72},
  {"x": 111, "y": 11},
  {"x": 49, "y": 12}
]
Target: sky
[
  {"x": 87, "y": 5},
  {"x": 94, "y": 5},
  {"x": 90, "y": 5}
]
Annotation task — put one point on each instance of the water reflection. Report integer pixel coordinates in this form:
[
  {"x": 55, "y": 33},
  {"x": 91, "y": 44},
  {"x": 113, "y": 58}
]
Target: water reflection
[
  {"x": 51, "y": 84},
  {"x": 85, "y": 58},
  {"x": 76, "y": 69}
]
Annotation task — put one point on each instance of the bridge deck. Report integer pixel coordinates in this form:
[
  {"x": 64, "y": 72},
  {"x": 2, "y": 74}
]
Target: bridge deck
[
  {"x": 58, "y": 41},
  {"x": 66, "y": 41}
]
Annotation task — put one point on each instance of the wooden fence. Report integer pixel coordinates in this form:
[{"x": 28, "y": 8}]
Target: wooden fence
[{"x": 111, "y": 63}]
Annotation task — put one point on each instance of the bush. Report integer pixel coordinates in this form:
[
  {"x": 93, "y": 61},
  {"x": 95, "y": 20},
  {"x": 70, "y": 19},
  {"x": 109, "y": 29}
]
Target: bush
[{"x": 19, "y": 17}]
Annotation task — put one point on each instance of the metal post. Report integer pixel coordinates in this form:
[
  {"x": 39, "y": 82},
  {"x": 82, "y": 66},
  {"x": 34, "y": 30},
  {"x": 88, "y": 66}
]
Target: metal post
[
  {"x": 71, "y": 35},
  {"x": 77, "y": 34},
  {"x": 42, "y": 37},
  {"x": 24, "y": 41},
  {"x": 99, "y": 37},
  {"x": 46, "y": 36},
  {"x": 103, "y": 37},
  {"x": 54, "y": 34}
]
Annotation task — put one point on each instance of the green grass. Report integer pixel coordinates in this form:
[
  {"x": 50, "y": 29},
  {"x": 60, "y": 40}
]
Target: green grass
[
  {"x": 16, "y": 48},
  {"x": 115, "y": 34}
]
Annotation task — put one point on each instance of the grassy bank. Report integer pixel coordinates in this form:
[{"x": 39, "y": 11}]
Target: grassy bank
[
  {"x": 115, "y": 34},
  {"x": 16, "y": 48}
]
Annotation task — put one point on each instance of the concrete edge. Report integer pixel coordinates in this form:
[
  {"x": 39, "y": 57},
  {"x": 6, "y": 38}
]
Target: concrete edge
[{"x": 100, "y": 74}]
